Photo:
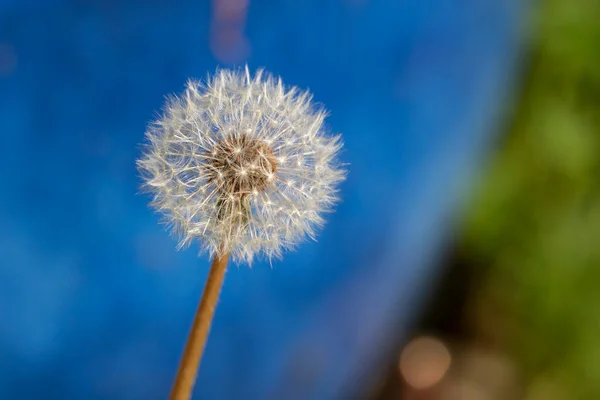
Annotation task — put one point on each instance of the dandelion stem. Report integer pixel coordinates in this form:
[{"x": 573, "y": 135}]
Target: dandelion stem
[{"x": 196, "y": 342}]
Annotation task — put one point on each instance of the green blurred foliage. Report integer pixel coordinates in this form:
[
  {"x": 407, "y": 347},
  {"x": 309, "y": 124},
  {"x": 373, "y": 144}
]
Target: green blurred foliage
[{"x": 535, "y": 224}]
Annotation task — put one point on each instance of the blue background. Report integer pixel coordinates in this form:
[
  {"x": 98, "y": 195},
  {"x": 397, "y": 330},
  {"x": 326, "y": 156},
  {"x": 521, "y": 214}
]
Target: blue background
[{"x": 95, "y": 303}]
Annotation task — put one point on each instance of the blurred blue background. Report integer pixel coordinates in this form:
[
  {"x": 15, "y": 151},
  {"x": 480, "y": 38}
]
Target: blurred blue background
[{"x": 95, "y": 303}]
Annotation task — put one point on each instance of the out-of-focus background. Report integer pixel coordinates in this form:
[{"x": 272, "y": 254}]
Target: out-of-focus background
[
  {"x": 517, "y": 314},
  {"x": 461, "y": 264}
]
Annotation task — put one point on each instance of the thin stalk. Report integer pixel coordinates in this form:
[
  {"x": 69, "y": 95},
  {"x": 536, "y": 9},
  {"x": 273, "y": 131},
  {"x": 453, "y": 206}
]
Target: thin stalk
[{"x": 196, "y": 342}]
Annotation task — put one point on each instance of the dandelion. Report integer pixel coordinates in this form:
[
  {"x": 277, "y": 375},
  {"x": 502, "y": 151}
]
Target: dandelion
[{"x": 242, "y": 165}]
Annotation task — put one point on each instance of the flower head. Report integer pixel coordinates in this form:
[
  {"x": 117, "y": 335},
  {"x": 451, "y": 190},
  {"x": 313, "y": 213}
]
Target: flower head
[{"x": 242, "y": 164}]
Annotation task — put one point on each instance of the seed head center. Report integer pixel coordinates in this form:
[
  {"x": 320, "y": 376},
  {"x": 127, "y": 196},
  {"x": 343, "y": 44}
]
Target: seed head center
[{"x": 240, "y": 165}]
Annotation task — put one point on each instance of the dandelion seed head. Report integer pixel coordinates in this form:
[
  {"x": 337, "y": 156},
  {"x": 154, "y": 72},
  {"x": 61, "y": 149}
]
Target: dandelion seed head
[{"x": 242, "y": 165}]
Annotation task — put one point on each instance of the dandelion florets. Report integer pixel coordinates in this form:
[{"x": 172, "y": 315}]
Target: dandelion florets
[{"x": 242, "y": 164}]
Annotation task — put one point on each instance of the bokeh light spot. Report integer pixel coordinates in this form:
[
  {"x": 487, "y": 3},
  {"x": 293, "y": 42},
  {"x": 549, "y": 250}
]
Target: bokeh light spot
[{"x": 424, "y": 362}]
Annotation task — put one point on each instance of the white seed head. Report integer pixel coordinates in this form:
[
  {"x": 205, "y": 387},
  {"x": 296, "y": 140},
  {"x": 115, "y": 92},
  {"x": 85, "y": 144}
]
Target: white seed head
[{"x": 242, "y": 164}]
